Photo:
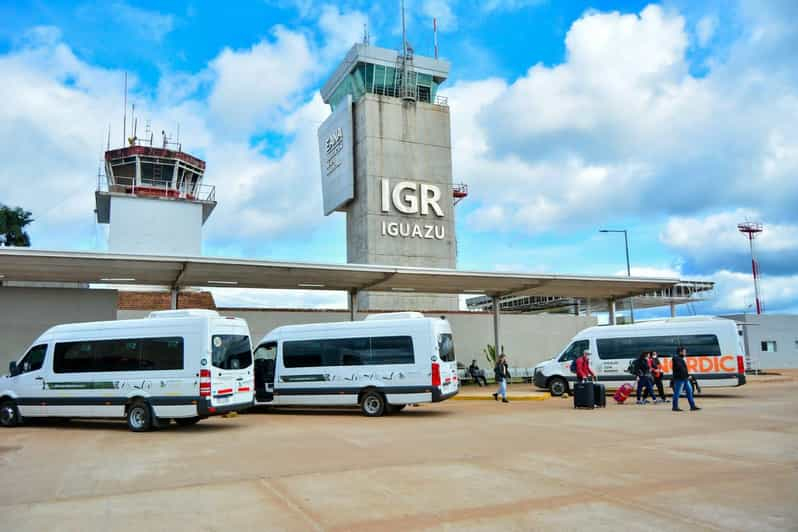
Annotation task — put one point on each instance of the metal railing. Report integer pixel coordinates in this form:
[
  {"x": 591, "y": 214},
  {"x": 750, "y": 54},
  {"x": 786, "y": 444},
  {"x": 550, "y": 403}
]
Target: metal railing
[{"x": 156, "y": 188}]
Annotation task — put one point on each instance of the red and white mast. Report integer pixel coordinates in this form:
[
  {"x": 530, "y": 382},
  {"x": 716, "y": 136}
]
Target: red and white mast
[{"x": 752, "y": 229}]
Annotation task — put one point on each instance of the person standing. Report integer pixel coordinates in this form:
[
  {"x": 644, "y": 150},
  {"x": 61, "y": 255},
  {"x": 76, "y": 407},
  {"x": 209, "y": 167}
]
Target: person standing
[
  {"x": 681, "y": 380},
  {"x": 583, "y": 371},
  {"x": 502, "y": 373},
  {"x": 642, "y": 371},
  {"x": 656, "y": 374}
]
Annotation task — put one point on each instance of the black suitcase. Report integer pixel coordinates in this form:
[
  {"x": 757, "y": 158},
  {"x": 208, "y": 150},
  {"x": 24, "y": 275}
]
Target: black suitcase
[
  {"x": 583, "y": 395},
  {"x": 600, "y": 395}
]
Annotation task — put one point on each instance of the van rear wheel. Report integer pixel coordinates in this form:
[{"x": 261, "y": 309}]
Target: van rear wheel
[
  {"x": 372, "y": 404},
  {"x": 139, "y": 417},
  {"x": 9, "y": 414},
  {"x": 558, "y": 386}
]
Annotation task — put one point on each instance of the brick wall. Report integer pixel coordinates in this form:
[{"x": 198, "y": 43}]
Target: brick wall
[{"x": 162, "y": 300}]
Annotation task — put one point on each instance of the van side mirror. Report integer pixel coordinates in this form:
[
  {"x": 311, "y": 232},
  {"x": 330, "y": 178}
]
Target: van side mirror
[{"x": 12, "y": 368}]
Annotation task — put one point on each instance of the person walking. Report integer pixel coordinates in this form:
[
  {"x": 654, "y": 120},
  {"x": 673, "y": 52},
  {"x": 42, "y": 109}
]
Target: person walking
[
  {"x": 681, "y": 380},
  {"x": 656, "y": 374},
  {"x": 642, "y": 371},
  {"x": 502, "y": 374},
  {"x": 477, "y": 374},
  {"x": 583, "y": 371}
]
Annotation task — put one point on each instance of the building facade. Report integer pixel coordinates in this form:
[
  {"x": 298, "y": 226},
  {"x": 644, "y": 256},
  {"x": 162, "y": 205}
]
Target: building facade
[{"x": 770, "y": 340}]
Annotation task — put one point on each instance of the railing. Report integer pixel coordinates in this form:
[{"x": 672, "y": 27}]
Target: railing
[
  {"x": 157, "y": 189},
  {"x": 441, "y": 100}
]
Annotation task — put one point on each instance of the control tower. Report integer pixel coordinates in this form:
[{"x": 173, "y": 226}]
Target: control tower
[
  {"x": 154, "y": 199},
  {"x": 386, "y": 162}
]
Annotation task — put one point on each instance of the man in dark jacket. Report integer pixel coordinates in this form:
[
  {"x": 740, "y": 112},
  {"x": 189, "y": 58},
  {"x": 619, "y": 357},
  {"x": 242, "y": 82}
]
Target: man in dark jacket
[
  {"x": 642, "y": 371},
  {"x": 681, "y": 379},
  {"x": 477, "y": 374}
]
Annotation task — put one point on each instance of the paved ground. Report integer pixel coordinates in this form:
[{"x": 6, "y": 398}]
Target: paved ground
[{"x": 469, "y": 465}]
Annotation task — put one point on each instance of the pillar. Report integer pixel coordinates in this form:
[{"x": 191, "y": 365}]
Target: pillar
[
  {"x": 352, "y": 304},
  {"x": 673, "y": 309},
  {"x": 173, "y": 299},
  {"x": 496, "y": 335},
  {"x": 611, "y": 306}
]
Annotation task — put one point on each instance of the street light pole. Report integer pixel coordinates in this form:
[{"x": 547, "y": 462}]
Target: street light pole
[{"x": 628, "y": 265}]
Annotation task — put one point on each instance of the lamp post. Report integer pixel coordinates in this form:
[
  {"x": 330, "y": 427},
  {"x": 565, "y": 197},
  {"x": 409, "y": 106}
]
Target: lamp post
[{"x": 628, "y": 266}]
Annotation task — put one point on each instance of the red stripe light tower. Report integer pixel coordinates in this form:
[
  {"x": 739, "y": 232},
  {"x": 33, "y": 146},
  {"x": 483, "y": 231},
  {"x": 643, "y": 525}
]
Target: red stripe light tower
[{"x": 752, "y": 229}]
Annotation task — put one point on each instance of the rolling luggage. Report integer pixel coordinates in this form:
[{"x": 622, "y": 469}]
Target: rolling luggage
[
  {"x": 583, "y": 395},
  {"x": 623, "y": 393},
  {"x": 600, "y": 395}
]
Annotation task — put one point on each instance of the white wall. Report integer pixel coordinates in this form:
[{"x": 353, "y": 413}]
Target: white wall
[
  {"x": 155, "y": 226},
  {"x": 782, "y": 329},
  {"x": 527, "y": 338}
]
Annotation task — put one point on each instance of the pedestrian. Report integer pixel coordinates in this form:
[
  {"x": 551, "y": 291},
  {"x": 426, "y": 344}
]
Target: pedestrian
[
  {"x": 642, "y": 371},
  {"x": 583, "y": 371},
  {"x": 477, "y": 374},
  {"x": 502, "y": 374},
  {"x": 656, "y": 374},
  {"x": 681, "y": 380}
]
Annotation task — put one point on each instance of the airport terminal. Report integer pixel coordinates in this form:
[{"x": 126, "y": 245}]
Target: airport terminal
[{"x": 385, "y": 161}]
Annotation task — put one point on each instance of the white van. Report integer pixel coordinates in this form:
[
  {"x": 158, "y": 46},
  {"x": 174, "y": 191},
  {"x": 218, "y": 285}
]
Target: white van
[
  {"x": 715, "y": 355},
  {"x": 184, "y": 365},
  {"x": 381, "y": 363}
]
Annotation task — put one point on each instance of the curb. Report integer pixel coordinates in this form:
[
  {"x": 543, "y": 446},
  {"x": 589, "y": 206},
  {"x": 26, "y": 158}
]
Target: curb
[{"x": 511, "y": 398}]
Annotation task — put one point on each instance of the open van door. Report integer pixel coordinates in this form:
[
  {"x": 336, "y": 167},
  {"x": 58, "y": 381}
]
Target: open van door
[{"x": 265, "y": 358}]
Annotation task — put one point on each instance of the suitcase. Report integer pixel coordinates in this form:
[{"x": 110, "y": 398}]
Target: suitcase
[
  {"x": 600, "y": 395},
  {"x": 623, "y": 393},
  {"x": 584, "y": 395}
]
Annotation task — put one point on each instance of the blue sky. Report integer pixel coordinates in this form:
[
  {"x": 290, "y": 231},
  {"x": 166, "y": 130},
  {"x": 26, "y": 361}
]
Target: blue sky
[{"x": 675, "y": 120}]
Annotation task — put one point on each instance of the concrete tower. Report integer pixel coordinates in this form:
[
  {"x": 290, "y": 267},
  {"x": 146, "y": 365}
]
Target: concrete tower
[
  {"x": 386, "y": 162},
  {"x": 154, "y": 200}
]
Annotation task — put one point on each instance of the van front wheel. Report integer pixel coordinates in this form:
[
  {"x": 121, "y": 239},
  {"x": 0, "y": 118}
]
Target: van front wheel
[
  {"x": 9, "y": 414},
  {"x": 139, "y": 417},
  {"x": 372, "y": 404},
  {"x": 558, "y": 386}
]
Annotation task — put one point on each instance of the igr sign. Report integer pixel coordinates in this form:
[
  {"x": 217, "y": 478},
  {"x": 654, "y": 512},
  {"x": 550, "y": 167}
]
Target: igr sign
[{"x": 407, "y": 197}]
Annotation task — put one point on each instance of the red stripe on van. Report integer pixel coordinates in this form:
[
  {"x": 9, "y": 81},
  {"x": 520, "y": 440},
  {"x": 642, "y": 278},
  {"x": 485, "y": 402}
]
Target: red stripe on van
[
  {"x": 226, "y": 391},
  {"x": 244, "y": 389}
]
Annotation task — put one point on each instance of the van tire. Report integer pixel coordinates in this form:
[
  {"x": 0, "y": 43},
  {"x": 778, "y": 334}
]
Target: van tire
[
  {"x": 139, "y": 416},
  {"x": 558, "y": 386},
  {"x": 187, "y": 421},
  {"x": 372, "y": 403},
  {"x": 9, "y": 414}
]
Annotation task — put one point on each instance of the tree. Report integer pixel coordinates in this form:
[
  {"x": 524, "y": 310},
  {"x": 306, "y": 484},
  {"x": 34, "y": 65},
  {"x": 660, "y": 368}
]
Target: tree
[{"x": 13, "y": 221}]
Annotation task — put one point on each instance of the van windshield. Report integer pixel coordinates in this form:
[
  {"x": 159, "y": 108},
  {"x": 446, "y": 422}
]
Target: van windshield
[
  {"x": 231, "y": 351},
  {"x": 446, "y": 347}
]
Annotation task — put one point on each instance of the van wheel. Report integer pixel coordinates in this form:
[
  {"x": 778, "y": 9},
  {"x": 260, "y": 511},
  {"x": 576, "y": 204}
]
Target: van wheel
[
  {"x": 558, "y": 386},
  {"x": 372, "y": 404},
  {"x": 9, "y": 414},
  {"x": 187, "y": 421},
  {"x": 139, "y": 417}
]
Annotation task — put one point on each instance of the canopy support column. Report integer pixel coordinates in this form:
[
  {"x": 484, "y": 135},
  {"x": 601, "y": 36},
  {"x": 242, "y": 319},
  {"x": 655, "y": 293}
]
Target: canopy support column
[
  {"x": 673, "y": 309},
  {"x": 352, "y": 304},
  {"x": 611, "y": 306},
  {"x": 587, "y": 308},
  {"x": 173, "y": 298},
  {"x": 496, "y": 335}
]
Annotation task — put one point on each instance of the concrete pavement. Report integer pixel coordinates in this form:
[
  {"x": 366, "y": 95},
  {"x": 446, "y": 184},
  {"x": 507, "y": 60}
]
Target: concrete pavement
[{"x": 469, "y": 465}]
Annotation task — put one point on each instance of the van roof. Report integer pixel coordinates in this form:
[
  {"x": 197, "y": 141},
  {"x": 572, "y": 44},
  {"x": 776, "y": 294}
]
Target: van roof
[
  {"x": 155, "y": 318},
  {"x": 653, "y": 324},
  {"x": 347, "y": 325}
]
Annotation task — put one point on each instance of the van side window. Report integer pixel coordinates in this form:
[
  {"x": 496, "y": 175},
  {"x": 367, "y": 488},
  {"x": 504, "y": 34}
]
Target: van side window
[
  {"x": 33, "y": 359},
  {"x": 266, "y": 351},
  {"x": 130, "y": 354},
  {"x": 364, "y": 351},
  {"x": 575, "y": 350}
]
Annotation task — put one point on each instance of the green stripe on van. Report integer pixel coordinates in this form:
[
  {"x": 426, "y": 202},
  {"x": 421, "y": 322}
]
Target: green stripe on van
[{"x": 98, "y": 385}]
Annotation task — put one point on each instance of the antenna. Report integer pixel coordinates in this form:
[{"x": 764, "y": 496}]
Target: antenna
[
  {"x": 435, "y": 35},
  {"x": 366, "y": 37},
  {"x": 133, "y": 122},
  {"x": 124, "y": 115},
  {"x": 108, "y": 143},
  {"x": 404, "y": 29},
  {"x": 752, "y": 230}
]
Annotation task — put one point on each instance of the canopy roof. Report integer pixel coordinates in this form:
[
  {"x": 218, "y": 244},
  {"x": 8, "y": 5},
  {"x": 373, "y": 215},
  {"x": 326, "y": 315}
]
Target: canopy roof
[{"x": 23, "y": 264}]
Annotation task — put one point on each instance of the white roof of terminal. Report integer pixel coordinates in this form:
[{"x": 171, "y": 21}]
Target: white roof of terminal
[{"x": 23, "y": 264}]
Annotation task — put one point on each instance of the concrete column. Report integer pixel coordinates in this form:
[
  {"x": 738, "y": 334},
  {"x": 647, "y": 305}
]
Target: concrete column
[
  {"x": 352, "y": 304},
  {"x": 611, "y": 305},
  {"x": 173, "y": 299},
  {"x": 673, "y": 309},
  {"x": 578, "y": 307},
  {"x": 496, "y": 335},
  {"x": 588, "y": 313}
]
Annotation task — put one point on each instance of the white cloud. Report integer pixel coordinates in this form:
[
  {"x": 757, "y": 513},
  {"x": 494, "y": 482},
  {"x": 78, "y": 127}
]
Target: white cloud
[
  {"x": 145, "y": 24},
  {"x": 443, "y": 10},
  {"x": 734, "y": 292},
  {"x": 250, "y": 298},
  {"x": 341, "y": 29},
  {"x": 705, "y": 29},
  {"x": 622, "y": 128}
]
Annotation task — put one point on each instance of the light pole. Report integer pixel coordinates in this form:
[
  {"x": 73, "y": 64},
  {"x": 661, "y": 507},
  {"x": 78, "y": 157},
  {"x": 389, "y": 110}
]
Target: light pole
[{"x": 628, "y": 266}]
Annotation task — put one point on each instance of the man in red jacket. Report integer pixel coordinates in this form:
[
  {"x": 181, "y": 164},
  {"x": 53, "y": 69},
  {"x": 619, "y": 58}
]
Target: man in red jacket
[{"x": 583, "y": 371}]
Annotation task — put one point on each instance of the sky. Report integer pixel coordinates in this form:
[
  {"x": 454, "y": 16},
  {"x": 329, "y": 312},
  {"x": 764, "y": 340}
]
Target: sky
[{"x": 673, "y": 120}]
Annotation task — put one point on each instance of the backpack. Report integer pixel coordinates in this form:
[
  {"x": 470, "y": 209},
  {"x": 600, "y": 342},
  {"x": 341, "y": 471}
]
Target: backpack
[
  {"x": 632, "y": 368},
  {"x": 573, "y": 366}
]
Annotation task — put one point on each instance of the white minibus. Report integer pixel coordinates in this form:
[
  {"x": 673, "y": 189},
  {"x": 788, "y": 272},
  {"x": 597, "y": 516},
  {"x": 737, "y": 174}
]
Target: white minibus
[
  {"x": 184, "y": 365},
  {"x": 380, "y": 364},
  {"x": 715, "y": 356}
]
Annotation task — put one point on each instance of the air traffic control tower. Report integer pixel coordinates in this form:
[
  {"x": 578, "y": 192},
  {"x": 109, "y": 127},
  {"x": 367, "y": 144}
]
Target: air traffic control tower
[{"x": 386, "y": 162}]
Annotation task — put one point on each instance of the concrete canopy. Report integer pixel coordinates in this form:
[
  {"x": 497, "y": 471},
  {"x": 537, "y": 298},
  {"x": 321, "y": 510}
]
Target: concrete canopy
[{"x": 22, "y": 264}]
